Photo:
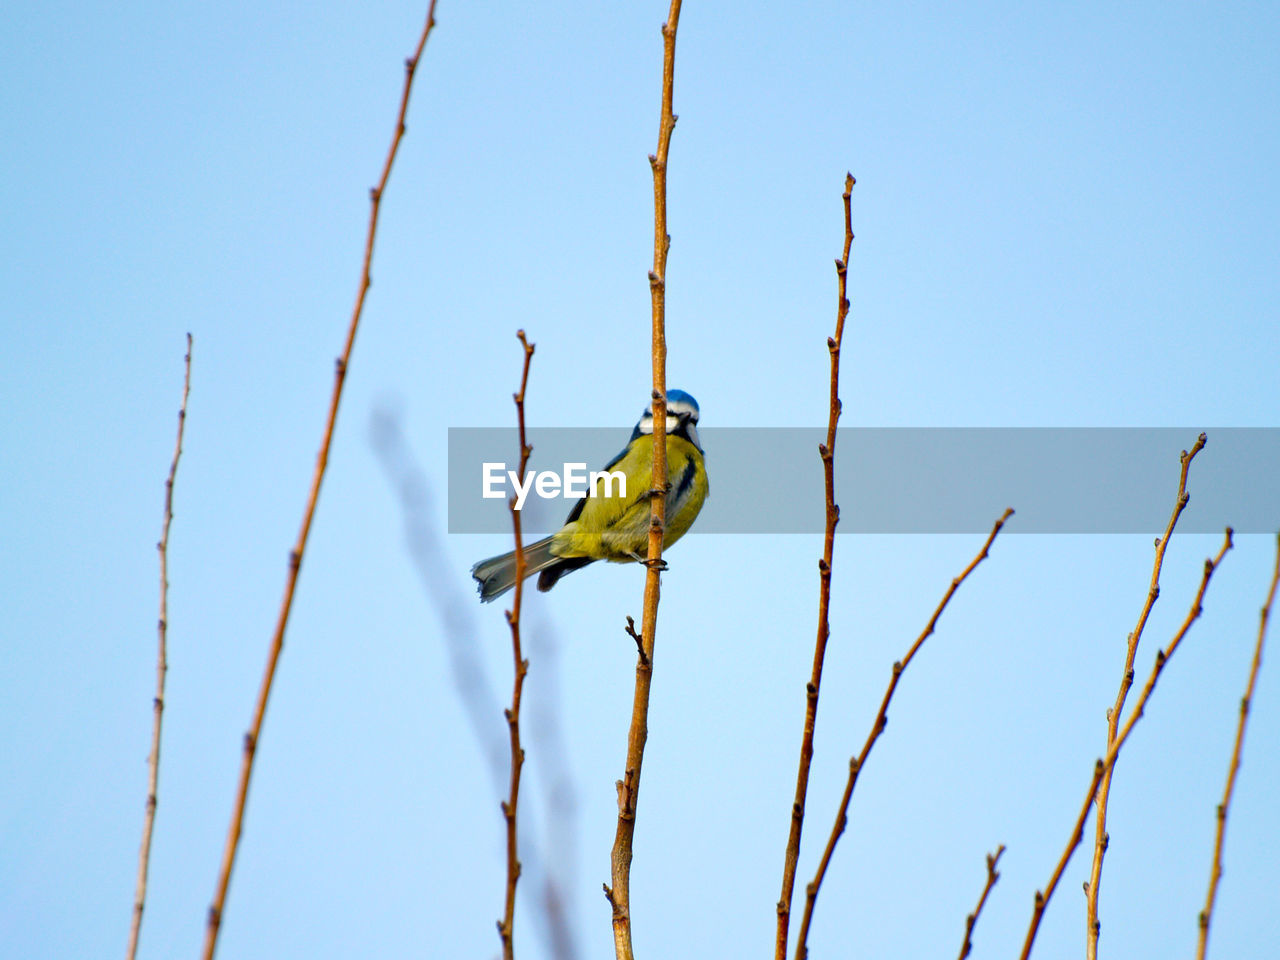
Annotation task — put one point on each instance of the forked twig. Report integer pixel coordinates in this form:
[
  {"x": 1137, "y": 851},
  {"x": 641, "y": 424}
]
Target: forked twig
[
  {"x": 1106, "y": 763},
  {"x": 827, "y": 452},
  {"x": 162, "y": 668},
  {"x": 630, "y": 631},
  {"x": 619, "y": 894},
  {"x": 857, "y": 763},
  {"x": 214, "y": 923},
  {"x": 1215, "y": 873},
  {"x": 1113, "y": 715},
  {"x": 971, "y": 921},
  {"x": 509, "y": 807}
]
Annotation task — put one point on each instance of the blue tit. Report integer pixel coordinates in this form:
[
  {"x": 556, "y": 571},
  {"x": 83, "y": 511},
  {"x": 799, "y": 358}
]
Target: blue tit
[{"x": 616, "y": 528}]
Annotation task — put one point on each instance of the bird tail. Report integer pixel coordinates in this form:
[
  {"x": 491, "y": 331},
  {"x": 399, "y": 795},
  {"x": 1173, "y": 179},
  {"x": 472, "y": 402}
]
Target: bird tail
[{"x": 497, "y": 575}]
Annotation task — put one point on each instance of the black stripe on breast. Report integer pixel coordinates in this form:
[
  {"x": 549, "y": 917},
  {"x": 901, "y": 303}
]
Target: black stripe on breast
[{"x": 686, "y": 479}]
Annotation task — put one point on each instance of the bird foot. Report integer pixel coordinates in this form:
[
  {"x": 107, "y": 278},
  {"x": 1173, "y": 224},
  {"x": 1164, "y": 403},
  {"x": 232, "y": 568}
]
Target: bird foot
[{"x": 655, "y": 492}]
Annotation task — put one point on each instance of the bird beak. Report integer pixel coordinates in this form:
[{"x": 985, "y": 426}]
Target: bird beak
[{"x": 691, "y": 430}]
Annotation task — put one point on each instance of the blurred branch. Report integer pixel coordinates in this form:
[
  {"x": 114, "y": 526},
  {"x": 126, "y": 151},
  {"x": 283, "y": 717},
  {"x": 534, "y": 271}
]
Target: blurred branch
[
  {"x": 1101, "y": 839},
  {"x": 162, "y": 668},
  {"x": 455, "y": 608},
  {"x": 558, "y": 793},
  {"x": 857, "y": 763},
  {"x": 507, "y": 924},
  {"x": 972, "y": 919},
  {"x": 619, "y": 895},
  {"x": 1106, "y": 763},
  {"x": 214, "y": 924},
  {"x": 1216, "y": 873},
  {"x": 827, "y": 452}
]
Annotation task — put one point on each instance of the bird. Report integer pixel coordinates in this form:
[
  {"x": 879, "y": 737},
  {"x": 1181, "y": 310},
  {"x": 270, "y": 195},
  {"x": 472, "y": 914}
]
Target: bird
[{"x": 616, "y": 528}]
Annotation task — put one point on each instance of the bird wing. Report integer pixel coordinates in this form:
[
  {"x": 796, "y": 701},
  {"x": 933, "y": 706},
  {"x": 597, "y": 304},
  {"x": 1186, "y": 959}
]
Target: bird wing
[{"x": 576, "y": 512}]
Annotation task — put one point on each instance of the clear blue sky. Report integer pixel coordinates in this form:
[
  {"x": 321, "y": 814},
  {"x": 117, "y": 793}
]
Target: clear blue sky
[{"x": 1066, "y": 216}]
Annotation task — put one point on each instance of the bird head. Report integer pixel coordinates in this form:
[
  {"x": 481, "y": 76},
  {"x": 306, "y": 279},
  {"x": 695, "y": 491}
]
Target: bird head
[{"x": 682, "y": 418}]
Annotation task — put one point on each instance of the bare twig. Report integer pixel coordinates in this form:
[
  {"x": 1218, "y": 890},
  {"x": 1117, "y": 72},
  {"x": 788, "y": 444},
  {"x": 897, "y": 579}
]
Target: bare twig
[
  {"x": 1216, "y": 873},
  {"x": 971, "y": 920},
  {"x": 214, "y": 923},
  {"x": 619, "y": 895},
  {"x": 507, "y": 924},
  {"x": 162, "y": 668},
  {"x": 630, "y": 631},
  {"x": 1101, "y": 839},
  {"x": 1106, "y": 763},
  {"x": 827, "y": 452},
  {"x": 857, "y": 763}
]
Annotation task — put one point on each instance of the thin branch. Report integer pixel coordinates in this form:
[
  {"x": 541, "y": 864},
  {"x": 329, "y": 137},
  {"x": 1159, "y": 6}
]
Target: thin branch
[
  {"x": 507, "y": 924},
  {"x": 1216, "y": 873},
  {"x": 857, "y": 763},
  {"x": 1101, "y": 839},
  {"x": 214, "y": 923},
  {"x": 827, "y": 452},
  {"x": 972, "y": 920},
  {"x": 1108, "y": 762},
  {"x": 619, "y": 895},
  {"x": 162, "y": 668}
]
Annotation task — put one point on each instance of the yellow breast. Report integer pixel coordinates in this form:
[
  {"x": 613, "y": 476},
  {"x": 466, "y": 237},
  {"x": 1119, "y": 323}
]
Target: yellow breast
[{"x": 617, "y": 528}]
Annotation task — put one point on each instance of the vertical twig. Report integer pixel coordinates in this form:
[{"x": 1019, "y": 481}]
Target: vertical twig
[
  {"x": 507, "y": 924},
  {"x": 970, "y": 921},
  {"x": 1215, "y": 873},
  {"x": 619, "y": 895},
  {"x": 162, "y": 668},
  {"x": 1106, "y": 763},
  {"x": 214, "y": 923},
  {"x": 827, "y": 452},
  {"x": 1101, "y": 839},
  {"x": 857, "y": 763}
]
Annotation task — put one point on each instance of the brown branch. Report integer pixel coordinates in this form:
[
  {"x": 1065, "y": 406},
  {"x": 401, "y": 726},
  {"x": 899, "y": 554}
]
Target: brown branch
[
  {"x": 1101, "y": 839},
  {"x": 972, "y": 920},
  {"x": 827, "y": 452},
  {"x": 214, "y": 923},
  {"x": 162, "y": 668},
  {"x": 619, "y": 895},
  {"x": 1216, "y": 873},
  {"x": 857, "y": 763},
  {"x": 507, "y": 924},
  {"x": 1108, "y": 762}
]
